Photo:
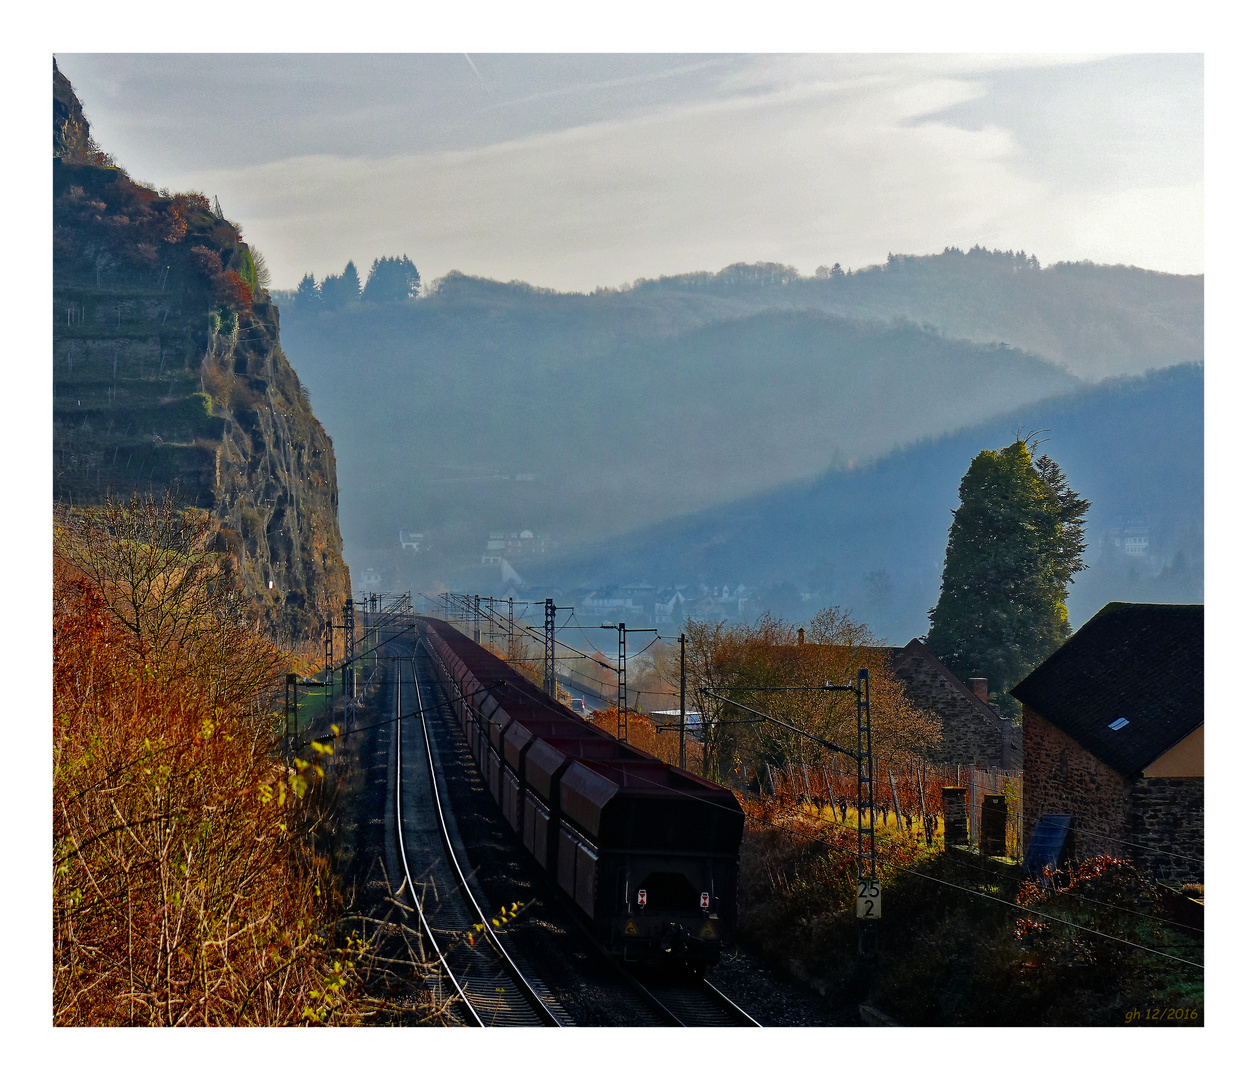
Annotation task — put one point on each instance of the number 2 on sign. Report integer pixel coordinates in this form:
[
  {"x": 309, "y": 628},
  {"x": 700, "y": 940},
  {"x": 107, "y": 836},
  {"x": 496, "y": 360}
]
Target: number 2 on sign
[{"x": 868, "y": 899}]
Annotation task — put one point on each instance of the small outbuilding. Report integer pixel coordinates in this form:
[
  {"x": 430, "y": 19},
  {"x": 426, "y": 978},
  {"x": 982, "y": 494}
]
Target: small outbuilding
[{"x": 1114, "y": 737}]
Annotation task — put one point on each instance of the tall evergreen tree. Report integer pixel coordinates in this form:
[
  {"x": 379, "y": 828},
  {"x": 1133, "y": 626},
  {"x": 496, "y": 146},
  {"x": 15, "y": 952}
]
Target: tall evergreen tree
[
  {"x": 342, "y": 289},
  {"x": 308, "y": 297},
  {"x": 391, "y": 281},
  {"x": 1014, "y": 546}
]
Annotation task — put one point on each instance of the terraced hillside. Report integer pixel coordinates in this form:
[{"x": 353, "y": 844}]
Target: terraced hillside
[{"x": 168, "y": 372}]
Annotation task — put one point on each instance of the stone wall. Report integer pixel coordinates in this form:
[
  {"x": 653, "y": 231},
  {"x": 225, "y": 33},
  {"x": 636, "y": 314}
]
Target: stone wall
[
  {"x": 1167, "y": 813},
  {"x": 972, "y": 733},
  {"x": 1157, "y": 822},
  {"x": 1060, "y": 777}
]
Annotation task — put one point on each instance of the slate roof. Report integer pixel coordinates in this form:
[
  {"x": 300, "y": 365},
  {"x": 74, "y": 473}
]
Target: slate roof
[
  {"x": 1141, "y": 662},
  {"x": 917, "y": 648}
]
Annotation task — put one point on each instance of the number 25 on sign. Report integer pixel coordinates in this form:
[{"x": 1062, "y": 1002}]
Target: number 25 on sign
[{"x": 868, "y": 899}]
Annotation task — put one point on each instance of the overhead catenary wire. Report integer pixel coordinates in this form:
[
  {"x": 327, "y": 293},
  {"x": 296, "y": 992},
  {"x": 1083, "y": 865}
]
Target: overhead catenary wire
[
  {"x": 531, "y": 632},
  {"x": 1089, "y": 832},
  {"x": 1141, "y": 847},
  {"x": 973, "y": 892},
  {"x": 1104, "y": 903},
  {"x": 1072, "y": 896},
  {"x": 1128, "y": 843},
  {"x": 884, "y": 784},
  {"x": 981, "y": 895}
]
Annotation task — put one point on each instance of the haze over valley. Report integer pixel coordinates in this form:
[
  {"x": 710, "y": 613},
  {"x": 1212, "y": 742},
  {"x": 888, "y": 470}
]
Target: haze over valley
[
  {"x": 629, "y": 430},
  {"x": 767, "y": 407},
  {"x": 758, "y": 499}
]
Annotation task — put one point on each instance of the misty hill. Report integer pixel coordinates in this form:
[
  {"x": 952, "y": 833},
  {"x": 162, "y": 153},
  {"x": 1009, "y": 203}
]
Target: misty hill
[
  {"x": 1098, "y": 321},
  {"x": 873, "y": 538},
  {"x": 487, "y": 407}
]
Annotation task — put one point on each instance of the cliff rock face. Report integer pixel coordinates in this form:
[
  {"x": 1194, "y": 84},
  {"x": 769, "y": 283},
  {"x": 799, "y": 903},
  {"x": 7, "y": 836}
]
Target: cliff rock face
[{"x": 167, "y": 372}]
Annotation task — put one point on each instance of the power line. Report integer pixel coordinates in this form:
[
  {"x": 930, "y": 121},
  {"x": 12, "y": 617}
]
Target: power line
[
  {"x": 987, "y": 896},
  {"x": 984, "y": 896},
  {"x": 648, "y": 644},
  {"x": 1141, "y": 847},
  {"x": 531, "y": 632},
  {"x": 961, "y": 888},
  {"x": 1072, "y": 896}
]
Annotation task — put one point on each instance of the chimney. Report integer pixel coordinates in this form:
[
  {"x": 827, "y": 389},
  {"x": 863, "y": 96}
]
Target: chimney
[
  {"x": 979, "y": 688},
  {"x": 801, "y": 635}
]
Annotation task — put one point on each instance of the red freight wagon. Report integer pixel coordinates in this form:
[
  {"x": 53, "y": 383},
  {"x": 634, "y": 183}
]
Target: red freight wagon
[{"x": 646, "y": 851}]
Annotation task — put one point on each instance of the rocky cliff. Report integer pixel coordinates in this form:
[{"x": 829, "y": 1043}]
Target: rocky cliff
[{"x": 168, "y": 372}]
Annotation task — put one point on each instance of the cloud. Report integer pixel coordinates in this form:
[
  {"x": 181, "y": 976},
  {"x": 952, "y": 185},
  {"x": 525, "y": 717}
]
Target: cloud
[{"x": 804, "y": 160}]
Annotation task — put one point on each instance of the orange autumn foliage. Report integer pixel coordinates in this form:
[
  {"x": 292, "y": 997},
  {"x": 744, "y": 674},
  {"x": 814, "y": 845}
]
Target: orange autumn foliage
[{"x": 186, "y": 888}]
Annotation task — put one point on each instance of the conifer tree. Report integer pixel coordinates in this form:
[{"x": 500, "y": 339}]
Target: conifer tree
[
  {"x": 340, "y": 290},
  {"x": 1014, "y": 546},
  {"x": 352, "y": 285},
  {"x": 391, "y": 281},
  {"x": 308, "y": 297}
]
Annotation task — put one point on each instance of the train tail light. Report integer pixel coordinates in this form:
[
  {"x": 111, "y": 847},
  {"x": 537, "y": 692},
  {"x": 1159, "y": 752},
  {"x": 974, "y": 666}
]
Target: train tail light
[
  {"x": 704, "y": 901},
  {"x": 641, "y": 897}
]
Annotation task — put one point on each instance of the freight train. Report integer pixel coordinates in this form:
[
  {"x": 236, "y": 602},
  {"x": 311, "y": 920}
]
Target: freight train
[{"x": 646, "y": 852}]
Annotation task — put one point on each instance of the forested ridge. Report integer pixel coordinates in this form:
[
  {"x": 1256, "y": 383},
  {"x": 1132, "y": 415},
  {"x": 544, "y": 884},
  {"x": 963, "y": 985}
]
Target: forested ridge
[
  {"x": 1097, "y": 320},
  {"x": 596, "y": 398},
  {"x": 873, "y": 537},
  {"x": 629, "y": 406}
]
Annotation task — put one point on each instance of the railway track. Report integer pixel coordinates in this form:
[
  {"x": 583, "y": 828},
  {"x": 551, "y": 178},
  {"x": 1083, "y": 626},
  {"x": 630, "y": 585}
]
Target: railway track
[
  {"x": 492, "y": 987},
  {"x": 657, "y": 999},
  {"x": 691, "y": 1004}
]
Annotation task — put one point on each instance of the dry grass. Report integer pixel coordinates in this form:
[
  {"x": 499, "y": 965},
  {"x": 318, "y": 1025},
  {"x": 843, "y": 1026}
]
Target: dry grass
[{"x": 187, "y": 888}]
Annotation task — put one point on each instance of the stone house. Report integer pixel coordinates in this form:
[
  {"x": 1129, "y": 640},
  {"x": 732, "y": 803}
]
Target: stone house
[
  {"x": 974, "y": 733},
  {"x": 1114, "y": 738}
]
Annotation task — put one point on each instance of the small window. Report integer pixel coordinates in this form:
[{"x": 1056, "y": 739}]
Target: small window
[
  {"x": 1119, "y": 723},
  {"x": 1064, "y": 764}
]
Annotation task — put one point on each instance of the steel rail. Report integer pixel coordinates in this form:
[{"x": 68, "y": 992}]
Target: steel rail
[
  {"x": 521, "y": 981},
  {"x": 671, "y": 1013},
  {"x": 410, "y": 883},
  {"x": 739, "y": 1013}
]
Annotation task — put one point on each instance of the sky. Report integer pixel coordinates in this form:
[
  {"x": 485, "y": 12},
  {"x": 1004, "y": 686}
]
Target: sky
[
  {"x": 575, "y": 173},
  {"x": 580, "y": 170}
]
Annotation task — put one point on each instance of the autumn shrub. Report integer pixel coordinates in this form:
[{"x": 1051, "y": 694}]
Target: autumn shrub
[
  {"x": 235, "y": 290},
  {"x": 743, "y": 677},
  {"x": 206, "y": 261},
  {"x": 797, "y": 886},
  {"x": 1098, "y": 923},
  {"x": 964, "y": 940},
  {"x": 643, "y": 734},
  {"x": 187, "y": 887}
]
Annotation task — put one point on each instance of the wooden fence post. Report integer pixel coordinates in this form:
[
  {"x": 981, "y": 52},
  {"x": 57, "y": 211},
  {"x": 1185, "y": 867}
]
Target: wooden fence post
[
  {"x": 894, "y": 798},
  {"x": 830, "y": 790},
  {"x": 929, "y": 833}
]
